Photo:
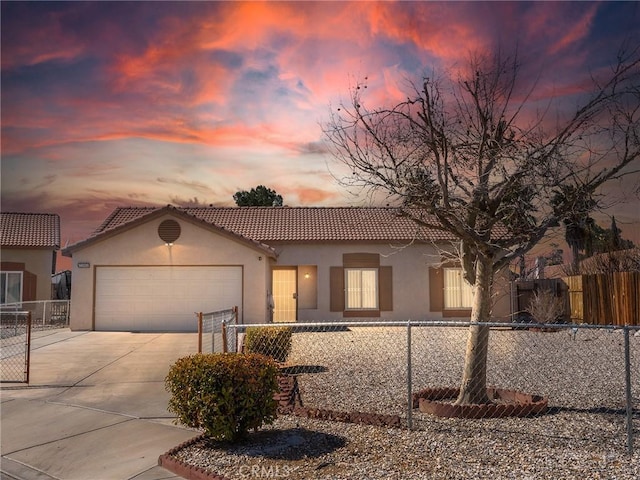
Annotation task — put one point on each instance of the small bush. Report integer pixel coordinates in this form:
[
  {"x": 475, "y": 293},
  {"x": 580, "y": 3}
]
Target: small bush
[
  {"x": 545, "y": 307},
  {"x": 224, "y": 394},
  {"x": 274, "y": 342}
]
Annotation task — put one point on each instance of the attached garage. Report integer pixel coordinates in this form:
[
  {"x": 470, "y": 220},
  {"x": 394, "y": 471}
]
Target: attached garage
[{"x": 163, "y": 298}]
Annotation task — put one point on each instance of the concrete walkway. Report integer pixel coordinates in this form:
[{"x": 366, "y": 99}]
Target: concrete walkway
[{"x": 95, "y": 407}]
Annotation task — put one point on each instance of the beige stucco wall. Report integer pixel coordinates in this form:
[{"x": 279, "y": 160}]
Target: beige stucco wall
[
  {"x": 141, "y": 246},
  {"x": 198, "y": 245},
  {"x": 38, "y": 262},
  {"x": 410, "y": 266}
]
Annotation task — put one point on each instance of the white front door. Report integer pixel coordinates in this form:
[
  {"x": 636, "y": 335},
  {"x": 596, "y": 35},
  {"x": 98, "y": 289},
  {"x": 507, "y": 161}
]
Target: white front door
[{"x": 285, "y": 294}]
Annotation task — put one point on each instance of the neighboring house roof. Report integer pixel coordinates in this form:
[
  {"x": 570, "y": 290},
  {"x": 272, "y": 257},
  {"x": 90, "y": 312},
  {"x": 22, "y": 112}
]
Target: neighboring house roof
[
  {"x": 41, "y": 230},
  {"x": 616, "y": 261},
  {"x": 110, "y": 228},
  {"x": 297, "y": 224},
  {"x": 619, "y": 260}
]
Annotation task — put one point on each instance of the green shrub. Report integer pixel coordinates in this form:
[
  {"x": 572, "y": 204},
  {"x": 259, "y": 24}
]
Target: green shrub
[
  {"x": 224, "y": 394},
  {"x": 274, "y": 342}
]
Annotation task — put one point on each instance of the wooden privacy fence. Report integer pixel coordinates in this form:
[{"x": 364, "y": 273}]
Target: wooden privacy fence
[
  {"x": 598, "y": 299},
  {"x": 606, "y": 298}
]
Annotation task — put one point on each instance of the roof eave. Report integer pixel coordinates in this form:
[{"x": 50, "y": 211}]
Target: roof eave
[{"x": 169, "y": 209}]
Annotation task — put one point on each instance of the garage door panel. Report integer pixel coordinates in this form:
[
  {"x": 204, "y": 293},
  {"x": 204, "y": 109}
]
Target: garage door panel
[{"x": 162, "y": 298}]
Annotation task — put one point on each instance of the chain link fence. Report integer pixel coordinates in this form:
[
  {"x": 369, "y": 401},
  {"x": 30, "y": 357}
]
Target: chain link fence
[
  {"x": 589, "y": 376},
  {"x": 15, "y": 340},
  {"x": 213, "y": 336},
  {"x": 20, "y": 323}
]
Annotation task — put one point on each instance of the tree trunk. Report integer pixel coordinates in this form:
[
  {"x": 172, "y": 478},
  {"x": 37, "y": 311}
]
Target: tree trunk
[
  {"x": 473, "y": 389},
  {"x": 575, "y": 262}
]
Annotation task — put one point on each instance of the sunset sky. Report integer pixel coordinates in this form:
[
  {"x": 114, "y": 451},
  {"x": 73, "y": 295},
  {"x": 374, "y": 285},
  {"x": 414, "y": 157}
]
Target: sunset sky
[{"x": 108, "y": 104}]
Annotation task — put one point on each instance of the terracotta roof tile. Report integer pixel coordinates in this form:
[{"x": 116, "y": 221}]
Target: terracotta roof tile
[
  {"x": 29, "y": 230},
  {"x": 298, "y": 224}
]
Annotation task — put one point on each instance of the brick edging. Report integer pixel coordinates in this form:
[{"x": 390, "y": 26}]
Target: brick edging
[
  {"x": 186, "y": 471},
  {"x": 288, "y": 404}
]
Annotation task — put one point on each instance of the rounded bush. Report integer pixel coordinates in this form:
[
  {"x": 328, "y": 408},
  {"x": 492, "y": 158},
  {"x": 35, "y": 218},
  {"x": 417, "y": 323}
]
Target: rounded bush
[
  {"x": 224, "y": 394},
  {"x": 274, "y": 342}
]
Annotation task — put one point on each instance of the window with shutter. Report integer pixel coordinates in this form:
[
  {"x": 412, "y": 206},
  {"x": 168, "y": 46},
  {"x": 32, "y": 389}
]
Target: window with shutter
[
  {"x": 361, "y": 287},
  {"x": 449, "y": 293}
]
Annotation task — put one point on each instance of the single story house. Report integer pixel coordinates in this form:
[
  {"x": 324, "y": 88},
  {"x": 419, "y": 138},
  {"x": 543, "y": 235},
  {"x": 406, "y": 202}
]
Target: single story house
[
  {"x": 151, "y": 269},
  {"x": 28, "y": 247}
]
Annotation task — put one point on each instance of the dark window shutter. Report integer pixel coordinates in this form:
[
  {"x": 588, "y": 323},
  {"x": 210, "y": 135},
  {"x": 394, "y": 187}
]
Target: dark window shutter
[
  {"x": 385, "y": 285},
  {"x": 436, "y": 289},
  {"x": 336, "y": 289},
  {"x": 29, "y": 286}
]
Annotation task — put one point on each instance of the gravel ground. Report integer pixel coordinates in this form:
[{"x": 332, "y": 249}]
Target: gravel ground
[{"x": 364, "y": 369}]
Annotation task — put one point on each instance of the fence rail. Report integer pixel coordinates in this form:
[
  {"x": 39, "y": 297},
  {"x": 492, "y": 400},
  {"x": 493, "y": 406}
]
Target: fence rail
[
  {"x": 589, "y": 374},
  {"x": 45, "y": 314}
]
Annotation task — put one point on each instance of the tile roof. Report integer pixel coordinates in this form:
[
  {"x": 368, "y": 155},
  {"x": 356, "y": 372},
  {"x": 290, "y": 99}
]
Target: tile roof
[
  {"x": 297, "y": 224},
  {"x": 29, "y": 230}
]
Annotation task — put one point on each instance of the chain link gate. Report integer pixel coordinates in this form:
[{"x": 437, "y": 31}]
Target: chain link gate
[
  {"x": 213, "y": 335},
  {"x": 15, "y": 340}
]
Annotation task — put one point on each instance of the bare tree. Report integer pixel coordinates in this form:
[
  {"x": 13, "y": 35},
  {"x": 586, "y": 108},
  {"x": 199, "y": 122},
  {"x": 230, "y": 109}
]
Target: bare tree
[{"x": 472, "y": 155}]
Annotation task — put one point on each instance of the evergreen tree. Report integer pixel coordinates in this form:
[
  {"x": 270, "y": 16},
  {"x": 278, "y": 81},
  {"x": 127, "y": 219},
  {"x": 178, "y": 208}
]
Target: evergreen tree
[{"x": 259, "y": 196}]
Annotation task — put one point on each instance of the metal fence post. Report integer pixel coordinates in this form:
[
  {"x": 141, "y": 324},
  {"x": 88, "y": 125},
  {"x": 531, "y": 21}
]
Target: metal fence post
[
  {"x": 409, "y": 379},
  {"x": 235, "y": 330},
  {"x": 199, "y": 314},
  {"x": 224, "y": 337},
  {"x": 27, "y": 367},
  {"x": 627, "y": 380}
]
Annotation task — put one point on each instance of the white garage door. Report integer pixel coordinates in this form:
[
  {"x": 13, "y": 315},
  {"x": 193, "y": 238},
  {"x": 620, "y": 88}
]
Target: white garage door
[{"x": 163, "y": 298}]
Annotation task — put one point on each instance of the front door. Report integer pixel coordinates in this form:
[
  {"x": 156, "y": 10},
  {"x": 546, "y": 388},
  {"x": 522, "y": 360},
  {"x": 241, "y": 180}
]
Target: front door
[{"x": 285, "y": 294}]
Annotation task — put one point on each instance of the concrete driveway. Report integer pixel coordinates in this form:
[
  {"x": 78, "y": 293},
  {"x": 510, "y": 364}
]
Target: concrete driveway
[{"x": 95, "y": 407}]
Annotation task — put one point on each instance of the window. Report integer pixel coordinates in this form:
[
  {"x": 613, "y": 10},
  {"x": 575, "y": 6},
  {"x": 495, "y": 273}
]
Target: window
[
  {"x": 361, "y": 288},
  {"x": 458, "y": 293},
  {"x": 10, "y": 287}
]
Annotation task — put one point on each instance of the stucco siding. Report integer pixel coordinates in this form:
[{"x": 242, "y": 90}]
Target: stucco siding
[
  {"x": 404, "y": 271},
  {"x": 409, "y": 273},
  {"x": 36, "y": 261},
  {"x": 410, "y": 278},
  {"x": 141, "y": 246}
]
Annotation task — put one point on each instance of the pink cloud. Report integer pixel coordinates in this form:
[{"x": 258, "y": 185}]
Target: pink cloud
[
  {"x": 577, "y": 30},
  {"x": 47, "y": 41},
  {"x": 313, "y": 196},
  {"x": 247, "y": 83}
]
